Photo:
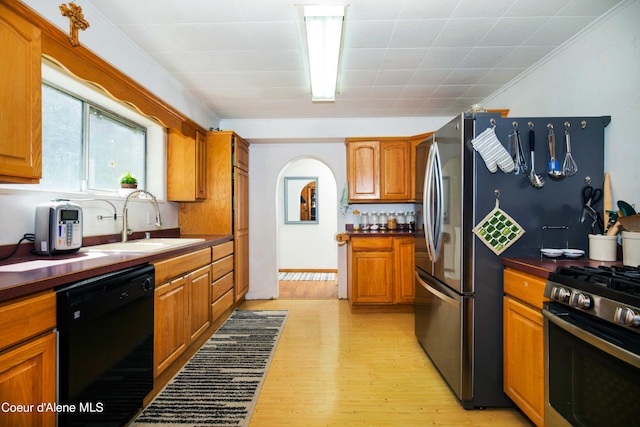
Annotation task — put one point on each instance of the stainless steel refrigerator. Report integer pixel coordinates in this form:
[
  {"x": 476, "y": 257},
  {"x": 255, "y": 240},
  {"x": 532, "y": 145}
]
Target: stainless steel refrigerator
[{"x": 458, "y": 306}]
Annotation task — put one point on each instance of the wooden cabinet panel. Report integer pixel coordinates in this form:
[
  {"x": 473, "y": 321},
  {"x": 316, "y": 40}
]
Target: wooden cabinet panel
[
  {"x": 524, "y": 358},
  {"x": 221, "y": 305},
  {"x": 221, "y": 250},
  {"x": 186, "y": 166},
  {"x": 241, "y": 267},
  {"x": 21, "y": 100},
  {"x": 525, "y": 287},
  {"x": 180, "y": 265},
  {"x": 363, "y": 170},
  {"x": 28, "y": 377},
  {"x": 221, "y": 286},
  {"x": 372, "y": 277},
  {"x": 199, "y": 301},
  {"x": 26, "y": 317},
  {"x": 221, "y": 267},
  {"x": 404, "y": 269},
  {"x": 171, "y": 337},
  {"x": 395, "y": 173},
  {"x": 241, "y": 153}
]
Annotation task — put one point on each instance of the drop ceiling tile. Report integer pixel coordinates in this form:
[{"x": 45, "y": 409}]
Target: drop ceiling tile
[
  {"x": 223, "y": 37},
  {"x": 592, "y": 8},
  {"x": 485, "y": 57},
  {"x": 429, "y": 77},
  {"x": 481, "y": 9},
  {"x": 535, "y": 8},
  {"x": 440, "y": 57},
  {"x": 556, "y": 31},
  {"x": 525, "y": 56},
  {"x": 422, "y": 92},
  {"x": 428, "y": 9},
  {"x": 274, "y": 35},
  {"x": 463, "y": 32},
  {"x": 355, "y": 78},
  {"x": 467, "y": 76},
  {"x": 498, "y": 76},
  {"x": 393, "y": 77},
  {"x": 362, "y": 59},
  {"x": 448, "y": 91},
  {"x": 368, "y": 34},
  {"x": 386, "y": 92},
  {"x": 405, "y": 59},
  {"x": 416, "y": 33},
  {"x": 373, "y": 10},
  {"x": 511, "y": 31}
]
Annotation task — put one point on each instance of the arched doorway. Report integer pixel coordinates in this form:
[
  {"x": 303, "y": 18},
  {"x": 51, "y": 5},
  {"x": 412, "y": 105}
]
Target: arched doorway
[{"x": 307, "y": 245}]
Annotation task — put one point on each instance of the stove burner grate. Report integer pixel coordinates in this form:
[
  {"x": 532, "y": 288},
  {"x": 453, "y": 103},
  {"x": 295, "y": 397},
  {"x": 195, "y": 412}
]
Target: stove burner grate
[{"x": 625, "y": 280}]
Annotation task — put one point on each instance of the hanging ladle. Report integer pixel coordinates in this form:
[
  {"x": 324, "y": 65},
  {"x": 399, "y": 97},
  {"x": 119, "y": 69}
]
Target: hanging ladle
[
  {"x": 569, "y": 166},
  {"x": 535, "y": 180}
]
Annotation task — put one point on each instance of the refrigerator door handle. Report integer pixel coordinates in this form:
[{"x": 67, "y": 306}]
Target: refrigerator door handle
[
  {"x": 426, "y": 204},
  {"x": 439, "y": 214},
  {"x": 440, "y": 295}
]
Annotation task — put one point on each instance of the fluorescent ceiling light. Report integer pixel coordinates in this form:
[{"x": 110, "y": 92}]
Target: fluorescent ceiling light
[{"x": 324, "y": 31}]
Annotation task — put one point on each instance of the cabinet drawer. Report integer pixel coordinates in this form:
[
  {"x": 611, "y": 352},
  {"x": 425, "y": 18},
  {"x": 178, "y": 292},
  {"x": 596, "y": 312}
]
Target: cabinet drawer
[
  {"x": 376, "y": 244},
  {"x": 221, "y": 286},
  {"x": 180, "y": 265},
  {"x": 524, "y": 287},
  {"x": 221, "y": 251},
  {"x": 221, "y": 305},
  {"x": 26, "y": 317},
  {"x": 221, "y": 267}
]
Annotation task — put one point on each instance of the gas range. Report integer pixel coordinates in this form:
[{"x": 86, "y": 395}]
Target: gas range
[{"x": 608, "y": 293}]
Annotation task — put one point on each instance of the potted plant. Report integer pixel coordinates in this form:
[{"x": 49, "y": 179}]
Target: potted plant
[{"x": 128, "y": 183}]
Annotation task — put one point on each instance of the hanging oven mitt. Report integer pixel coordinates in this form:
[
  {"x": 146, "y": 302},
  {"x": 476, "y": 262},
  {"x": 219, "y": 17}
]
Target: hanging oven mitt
[
  {"x": 498, "y": 230},
  {"x": 492, "y": 152}
]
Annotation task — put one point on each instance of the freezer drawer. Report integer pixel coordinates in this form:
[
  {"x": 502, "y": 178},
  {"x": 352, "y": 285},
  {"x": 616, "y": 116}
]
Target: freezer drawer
[{"x": 443, "y": 328}]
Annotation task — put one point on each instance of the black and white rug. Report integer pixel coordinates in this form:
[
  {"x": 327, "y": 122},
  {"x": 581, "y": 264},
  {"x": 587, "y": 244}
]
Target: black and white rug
[
  {"x": 306, "y": 276},
  {"x": 221, "y": 383}
]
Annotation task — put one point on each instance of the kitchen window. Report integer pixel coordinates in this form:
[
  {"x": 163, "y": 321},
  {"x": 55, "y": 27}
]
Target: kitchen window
[{"x": 85, "y": 147}]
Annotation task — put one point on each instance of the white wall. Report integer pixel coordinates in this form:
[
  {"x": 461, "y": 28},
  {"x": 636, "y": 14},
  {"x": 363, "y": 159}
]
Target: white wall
[
  {"x": 266, "y": 164},
  {"x": 309, "y": 245},
  {"x": 595, "y": 74}
]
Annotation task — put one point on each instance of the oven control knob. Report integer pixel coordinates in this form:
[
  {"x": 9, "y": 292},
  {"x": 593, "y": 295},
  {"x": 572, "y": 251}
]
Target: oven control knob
[
  {"x": 627, "y": 317},
  {"x": 560, "y": 294},
  {"x": 579, "y": 300}
]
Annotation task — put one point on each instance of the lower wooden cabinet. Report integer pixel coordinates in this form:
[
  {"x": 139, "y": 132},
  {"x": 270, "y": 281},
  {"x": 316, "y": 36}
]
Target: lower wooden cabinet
[
  {"x": 28, "y": 377},
  {"x": 380, "y": 273},
  {"x": 524, "y": 343},
  {"x": 170, "y": 323},
  {"x": 199, "y": 302}
]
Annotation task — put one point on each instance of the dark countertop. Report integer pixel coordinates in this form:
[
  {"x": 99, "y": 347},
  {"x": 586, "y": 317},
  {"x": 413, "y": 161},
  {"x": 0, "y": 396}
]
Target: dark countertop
[
  {"x": 22, "y": 283},
  {"x": 541, "y": 267},
  {"x": 378, "y": 233}
]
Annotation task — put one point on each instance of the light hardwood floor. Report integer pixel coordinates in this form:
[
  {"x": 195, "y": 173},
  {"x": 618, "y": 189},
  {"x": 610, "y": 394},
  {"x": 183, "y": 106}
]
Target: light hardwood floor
[
  {"x": 308, "y": 289},
  {"x": 334, "y": 368}
]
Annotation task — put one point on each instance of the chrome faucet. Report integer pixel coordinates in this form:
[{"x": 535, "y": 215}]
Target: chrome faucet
[{"x": 125, "y": 210}]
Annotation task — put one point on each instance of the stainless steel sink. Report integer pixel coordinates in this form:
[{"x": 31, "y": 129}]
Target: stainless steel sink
[{"x": 143, "y": 245}]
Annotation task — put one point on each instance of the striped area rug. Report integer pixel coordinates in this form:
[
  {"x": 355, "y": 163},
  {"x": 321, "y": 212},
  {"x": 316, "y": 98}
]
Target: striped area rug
[
  {"x": 221, "y": 383},
  {"x": 306, "y": 276}
]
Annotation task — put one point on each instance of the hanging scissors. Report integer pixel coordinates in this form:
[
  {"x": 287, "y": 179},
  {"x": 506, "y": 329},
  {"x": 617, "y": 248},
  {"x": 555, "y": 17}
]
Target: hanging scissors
[{"x": 590, "y": 197}]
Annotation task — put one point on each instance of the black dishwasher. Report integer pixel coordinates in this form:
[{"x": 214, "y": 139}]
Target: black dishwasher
[{"x": 105, "y": 351}]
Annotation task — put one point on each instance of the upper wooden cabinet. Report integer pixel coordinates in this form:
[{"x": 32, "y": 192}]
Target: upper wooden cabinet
[
  {"x": 20, "y": 100},
  {"x": 186, "y": 167},
  {"x": 363, "y": 170},
  {"x": 382, "y": 169}
]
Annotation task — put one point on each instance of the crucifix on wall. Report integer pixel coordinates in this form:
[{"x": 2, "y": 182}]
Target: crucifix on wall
[{"x": 76, "y": 21}]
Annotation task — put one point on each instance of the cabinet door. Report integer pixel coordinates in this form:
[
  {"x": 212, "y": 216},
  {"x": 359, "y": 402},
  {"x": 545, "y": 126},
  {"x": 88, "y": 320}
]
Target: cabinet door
[
  {"x": 28, "y": 377},
  {"x": 171, "y": 337},
  {"x": 241, "y": 232},
  {"x": 201, "y": 166},
  {"x": 186, "y": 180},
  {"x": 363, "y": 170},
  {"x": 404, "y": 269},
  {"x": 199, "y": 301},
  {"x": 240, "y": 153},
  {"x": 372, "y": 277},
  {"x": 395, "y": 173},
  {"x": 524, "y": 358},
  {"x": 20, "y": 103}
]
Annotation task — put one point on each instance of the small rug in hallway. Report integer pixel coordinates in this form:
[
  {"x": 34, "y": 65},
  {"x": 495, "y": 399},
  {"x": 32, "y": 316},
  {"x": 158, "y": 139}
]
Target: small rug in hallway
[
  {"x": 306, "y": 276},
  {"x": 221, "y": 383}
]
